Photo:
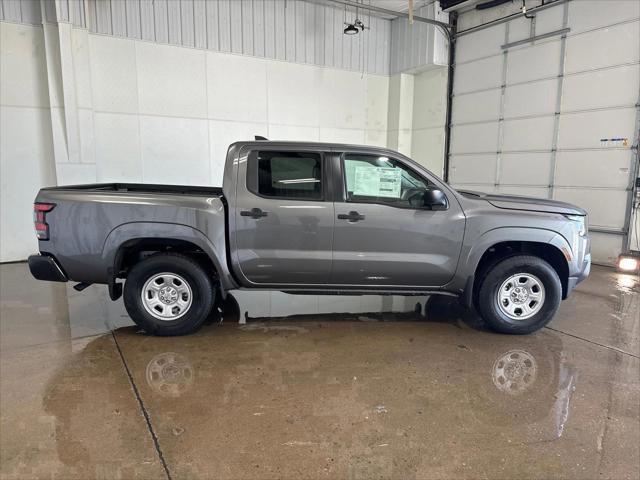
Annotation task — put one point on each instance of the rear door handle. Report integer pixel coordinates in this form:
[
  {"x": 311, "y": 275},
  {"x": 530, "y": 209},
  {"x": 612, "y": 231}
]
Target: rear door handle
[
  {"x": 253, "y": 213},
  {"x": 351, "y": 216}
]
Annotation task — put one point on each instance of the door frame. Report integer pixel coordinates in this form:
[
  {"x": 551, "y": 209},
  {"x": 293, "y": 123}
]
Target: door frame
[
  {"x": 340, "y": 198},
  {"x": 241, "y": 178}
]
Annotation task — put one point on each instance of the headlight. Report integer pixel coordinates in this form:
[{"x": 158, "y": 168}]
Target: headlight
[{"x": 581, "y": 220}]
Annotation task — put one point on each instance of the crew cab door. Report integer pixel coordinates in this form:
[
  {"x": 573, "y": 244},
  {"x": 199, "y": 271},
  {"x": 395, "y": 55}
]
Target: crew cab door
[
  {"x": 384, "y": 235},
  {"x": 283, "y": 217}
]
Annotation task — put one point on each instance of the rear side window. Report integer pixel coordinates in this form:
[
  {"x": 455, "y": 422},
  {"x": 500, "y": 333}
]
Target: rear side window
[{"x": 290, "y": 175}]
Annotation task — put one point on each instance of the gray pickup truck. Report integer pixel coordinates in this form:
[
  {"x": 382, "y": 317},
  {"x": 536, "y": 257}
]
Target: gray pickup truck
[{"x": 312, "y": 218}]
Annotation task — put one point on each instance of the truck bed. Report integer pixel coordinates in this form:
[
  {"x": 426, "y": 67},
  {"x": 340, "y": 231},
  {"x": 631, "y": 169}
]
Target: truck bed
[
  {"x": 90, "y": 223},
  {"x": 141, "y": 188}
]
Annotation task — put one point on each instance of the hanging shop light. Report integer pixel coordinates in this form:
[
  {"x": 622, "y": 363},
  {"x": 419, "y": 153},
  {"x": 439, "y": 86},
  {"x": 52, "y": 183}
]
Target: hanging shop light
[
  {"x": 355, "y": 27},
  {"x": 350, "y": 29}
]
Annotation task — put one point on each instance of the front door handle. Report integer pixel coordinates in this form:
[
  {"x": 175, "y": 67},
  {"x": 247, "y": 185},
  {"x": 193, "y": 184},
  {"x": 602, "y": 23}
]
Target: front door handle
[
  {"x": 351, "y": 216},
  {"x": 253, "y": 213}
]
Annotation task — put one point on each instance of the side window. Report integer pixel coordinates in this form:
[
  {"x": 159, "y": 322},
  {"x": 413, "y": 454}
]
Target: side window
[
  {"x": 291, "y": 175},
  {"x": 376, "y": 179}
]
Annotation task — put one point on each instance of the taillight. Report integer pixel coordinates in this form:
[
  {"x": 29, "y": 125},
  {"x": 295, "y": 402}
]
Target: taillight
[{"x": 40, "y": 211}]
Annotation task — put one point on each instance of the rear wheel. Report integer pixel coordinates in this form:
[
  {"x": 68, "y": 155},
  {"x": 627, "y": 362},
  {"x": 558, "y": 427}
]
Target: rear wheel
[
  {"x": 168, "y": 294},
  {"x": 520, "y": 294}
]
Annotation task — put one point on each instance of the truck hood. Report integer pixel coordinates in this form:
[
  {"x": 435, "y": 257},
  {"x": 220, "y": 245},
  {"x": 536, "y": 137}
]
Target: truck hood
[{"x": 514, "y": 202}]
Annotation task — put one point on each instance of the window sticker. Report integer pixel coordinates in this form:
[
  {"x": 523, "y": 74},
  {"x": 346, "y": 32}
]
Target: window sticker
[{"x": 377, "y": 182}]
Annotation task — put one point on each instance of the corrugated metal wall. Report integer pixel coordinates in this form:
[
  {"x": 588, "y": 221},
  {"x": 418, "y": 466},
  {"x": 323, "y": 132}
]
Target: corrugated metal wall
[
  {"x": 417, "y": 45},
  {"x": 290, "y": 30},
  {"x": 22, "y": 11}
]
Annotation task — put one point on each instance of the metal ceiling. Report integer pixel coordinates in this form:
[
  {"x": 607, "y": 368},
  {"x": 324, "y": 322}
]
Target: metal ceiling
[{"x": 400, "y": 6}]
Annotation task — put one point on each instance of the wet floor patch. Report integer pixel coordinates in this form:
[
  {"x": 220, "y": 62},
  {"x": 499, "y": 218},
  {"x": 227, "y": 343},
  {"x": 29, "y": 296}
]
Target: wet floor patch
[{"x": 427, "y": 394}]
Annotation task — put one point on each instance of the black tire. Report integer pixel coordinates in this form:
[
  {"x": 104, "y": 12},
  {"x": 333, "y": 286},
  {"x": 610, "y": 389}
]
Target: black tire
[
  {"x": 488, "y": 302},
  {"x": 198, "y": 280}
]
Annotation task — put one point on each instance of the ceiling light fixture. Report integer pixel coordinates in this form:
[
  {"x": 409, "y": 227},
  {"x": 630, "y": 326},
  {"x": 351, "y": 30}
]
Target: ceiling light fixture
[
  {"x": 350, "y": 29},
  {"x": 353, "y": 28}
]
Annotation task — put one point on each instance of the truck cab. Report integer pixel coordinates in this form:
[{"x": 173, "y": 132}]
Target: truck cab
[{"x": 353, "y": 218}]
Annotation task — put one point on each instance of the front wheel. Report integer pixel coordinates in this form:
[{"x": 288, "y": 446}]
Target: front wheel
[
  {"x": 519, "y": 295},
  {"x": 168, "y": 294}
]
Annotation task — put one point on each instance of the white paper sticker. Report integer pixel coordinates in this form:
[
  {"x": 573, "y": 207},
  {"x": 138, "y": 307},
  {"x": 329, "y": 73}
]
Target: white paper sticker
[{"x": 377, "y": 182}]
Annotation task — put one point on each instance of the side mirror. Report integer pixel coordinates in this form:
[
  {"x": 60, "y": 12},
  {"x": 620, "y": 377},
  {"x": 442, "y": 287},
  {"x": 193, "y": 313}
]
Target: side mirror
[{"x": 435, "y": 199}]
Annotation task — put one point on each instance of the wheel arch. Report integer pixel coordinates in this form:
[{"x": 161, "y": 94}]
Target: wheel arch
[
  {"x": 499, "y": 244},
  {"x": 128, "y": 242}
]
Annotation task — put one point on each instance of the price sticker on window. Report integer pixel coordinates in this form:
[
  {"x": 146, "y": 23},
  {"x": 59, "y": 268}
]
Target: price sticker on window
[{"x": 377, "y": 182}]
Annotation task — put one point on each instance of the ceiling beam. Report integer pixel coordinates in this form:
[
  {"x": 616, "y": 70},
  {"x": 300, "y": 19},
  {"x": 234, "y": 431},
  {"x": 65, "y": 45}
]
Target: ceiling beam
[{"x": 444, "y": 26}]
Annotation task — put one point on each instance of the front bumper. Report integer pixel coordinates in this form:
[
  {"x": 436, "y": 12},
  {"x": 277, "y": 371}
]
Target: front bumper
[
  {"x": 44, "y": 267},
  {"x": 584, "y": 273}
]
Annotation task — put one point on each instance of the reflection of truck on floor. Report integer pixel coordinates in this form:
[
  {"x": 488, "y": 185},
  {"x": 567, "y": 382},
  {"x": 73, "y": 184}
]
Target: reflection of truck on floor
[
  {"x": 312, "y": 218},
  {"x": 317, "y": 393}
]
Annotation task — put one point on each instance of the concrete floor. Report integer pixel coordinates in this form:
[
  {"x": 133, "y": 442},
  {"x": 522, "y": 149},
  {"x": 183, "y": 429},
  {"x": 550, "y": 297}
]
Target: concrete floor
[{"x": 404, "y": 396}]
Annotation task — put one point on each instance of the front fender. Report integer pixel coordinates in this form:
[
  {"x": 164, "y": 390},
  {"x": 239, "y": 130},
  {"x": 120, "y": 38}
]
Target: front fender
[
  {"x": 141, "y": 230},
  {"x": 473, "y": 252}
]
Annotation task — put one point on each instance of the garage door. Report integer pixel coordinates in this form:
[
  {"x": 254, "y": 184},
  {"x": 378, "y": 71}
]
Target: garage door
[{"x": 554, "y": 118}]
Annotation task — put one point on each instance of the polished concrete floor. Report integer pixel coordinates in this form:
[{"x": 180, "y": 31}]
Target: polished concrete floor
[{"x": 86, "y": 395}]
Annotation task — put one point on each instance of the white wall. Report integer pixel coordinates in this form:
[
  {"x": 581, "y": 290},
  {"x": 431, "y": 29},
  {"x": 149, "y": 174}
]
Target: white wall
[
  {"x": 417, "y": 116},
  {"x": 166, "y": 114},
  {"x": 400, "y": 115},
  {"x": 429, "y": 118},
  {"x": 26, "y": 149}
]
